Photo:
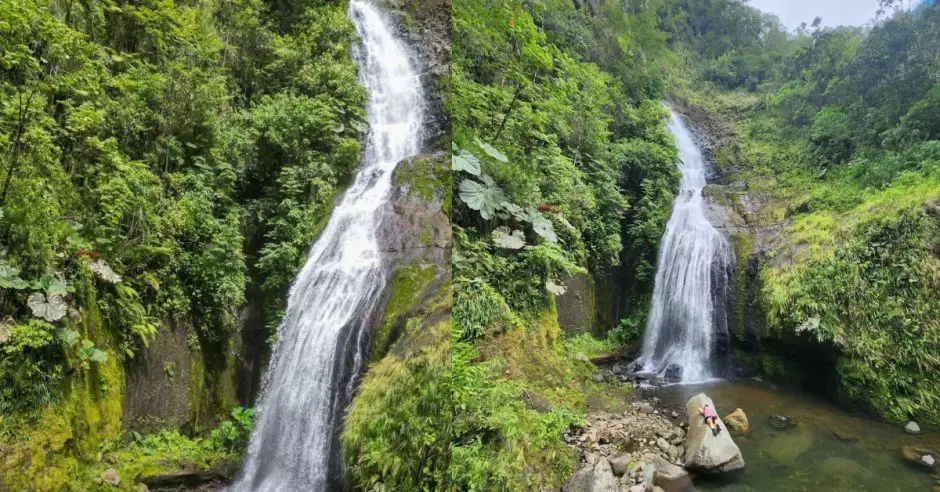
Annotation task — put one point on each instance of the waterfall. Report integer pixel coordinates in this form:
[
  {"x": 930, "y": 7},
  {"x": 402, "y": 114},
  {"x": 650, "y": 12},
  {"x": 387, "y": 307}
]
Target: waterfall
[
  {"x": 320, "y": 343},
  {"x": 686, "y": 317}
]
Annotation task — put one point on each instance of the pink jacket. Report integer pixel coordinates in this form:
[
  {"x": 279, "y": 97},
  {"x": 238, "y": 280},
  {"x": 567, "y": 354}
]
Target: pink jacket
[{"x": 708, "y": 411}]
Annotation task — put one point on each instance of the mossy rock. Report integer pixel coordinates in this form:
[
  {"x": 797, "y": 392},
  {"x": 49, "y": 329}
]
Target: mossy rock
[{"x": 408, "y": 288}]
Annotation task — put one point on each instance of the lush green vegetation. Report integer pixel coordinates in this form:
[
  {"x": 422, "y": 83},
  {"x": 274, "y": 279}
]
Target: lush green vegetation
[
  {"x": 132, "y": 454},
  {"x": 159, "y": 159},
  {"x": 562, "y": 165},
  {"x": 837, "y": 140}
]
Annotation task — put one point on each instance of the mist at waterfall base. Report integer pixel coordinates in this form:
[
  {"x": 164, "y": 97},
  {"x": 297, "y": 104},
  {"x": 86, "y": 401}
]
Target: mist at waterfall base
[
  {"x": 321, "y": 340},
  {"x": 687, "y": 316}
]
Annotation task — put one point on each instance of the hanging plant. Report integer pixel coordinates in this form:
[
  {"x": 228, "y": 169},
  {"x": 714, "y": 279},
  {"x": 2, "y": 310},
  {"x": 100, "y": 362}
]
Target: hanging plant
[
  {"x": 483, "y": 197},
  {"x": 508, "y": 240}
]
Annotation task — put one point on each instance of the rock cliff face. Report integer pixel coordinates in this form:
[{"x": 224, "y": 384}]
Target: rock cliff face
[
  {"x": 172, "y": 386},
  {"x": 588, "y": 304},
  {"x": 426, "y": 25},
  {"x": 415, "y": 235}
]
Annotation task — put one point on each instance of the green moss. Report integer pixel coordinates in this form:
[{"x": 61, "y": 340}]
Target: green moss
[
  {"x": 46, "y": 455},
  {"x": 408, "y": 287},
  {"x": 426, "y": 176},
  {"x": 743, "y": 248},
  {"x": 196, "y": 387},
  {"x": 427, "y": 236},
  {"x": 398, "y": 429}
]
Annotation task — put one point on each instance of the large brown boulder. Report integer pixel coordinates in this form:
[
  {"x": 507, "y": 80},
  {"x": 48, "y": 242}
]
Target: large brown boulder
[
  {"x": 705, "y": 452},
  {"x": 737, "y": 422}
]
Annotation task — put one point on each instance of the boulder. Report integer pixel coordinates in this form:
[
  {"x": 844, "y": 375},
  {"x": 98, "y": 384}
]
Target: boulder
[
  {"x": 673, "y": 373},
  {"x": 581, "y": 480},
  {"x": 923, "y": 457},
  {"x": 619, "y": 463},
  {"x": 912, "y": 428},
  {"x": 596, "y": 478},
  {"x": 646, "y": 408},
  {"x": 737, "y": 421},
  {"x": 670, "y": 477},
  {"x": 706, "y": 452},
  {"x": 780, "y": 422},
  {"x": 648, "y": 475},
  {"x": 844, "y": 436},
  {"x": 536, "y": 401}
]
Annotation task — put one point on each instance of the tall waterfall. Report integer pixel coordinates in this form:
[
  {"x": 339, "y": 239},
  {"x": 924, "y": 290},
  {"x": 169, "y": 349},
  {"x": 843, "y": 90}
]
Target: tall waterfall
[
  {"x": 686, "y": 317},
  {"x": 319, "y": 351}
]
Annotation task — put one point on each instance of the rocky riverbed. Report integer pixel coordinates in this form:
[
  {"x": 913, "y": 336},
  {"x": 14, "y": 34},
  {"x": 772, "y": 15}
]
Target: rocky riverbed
[{"x": 647, "y": 448}]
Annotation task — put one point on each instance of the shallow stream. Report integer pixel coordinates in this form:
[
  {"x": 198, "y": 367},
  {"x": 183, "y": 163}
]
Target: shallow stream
[{"x": 829, "y": 449}]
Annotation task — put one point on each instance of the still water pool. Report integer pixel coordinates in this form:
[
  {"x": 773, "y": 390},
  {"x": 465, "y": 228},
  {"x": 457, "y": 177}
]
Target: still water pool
[{"x": 829, "y": 449}]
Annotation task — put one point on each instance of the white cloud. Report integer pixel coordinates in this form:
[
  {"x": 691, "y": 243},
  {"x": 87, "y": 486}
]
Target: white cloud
[{"x": 833, "y": 12}]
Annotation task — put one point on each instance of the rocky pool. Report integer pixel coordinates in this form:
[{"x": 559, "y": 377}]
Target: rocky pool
[{"x": 827, "y": 450}]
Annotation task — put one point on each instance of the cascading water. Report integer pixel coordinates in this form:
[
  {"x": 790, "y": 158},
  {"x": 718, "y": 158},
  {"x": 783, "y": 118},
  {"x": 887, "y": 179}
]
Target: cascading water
[
  {"x": 686, "y": 316},
  {"x": 319, "y": 351}
]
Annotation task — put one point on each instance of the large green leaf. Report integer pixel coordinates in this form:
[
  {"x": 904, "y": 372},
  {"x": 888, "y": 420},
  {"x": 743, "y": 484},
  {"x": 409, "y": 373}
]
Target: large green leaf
[
  {"x": 69, "y": 337},
  {"x": 504, "y": 239},
  {"x": 491, "y": 151},
  {"x": 97, "y": 355},
  {"x": 9, "y": 278},
  {"x": 466, "y": 162},
  {"x": 544, "y": 228},
  {"x": 52, "y": 286},
  {"x": 482, "y": 197},
  {"x": 52, "y": 308}
]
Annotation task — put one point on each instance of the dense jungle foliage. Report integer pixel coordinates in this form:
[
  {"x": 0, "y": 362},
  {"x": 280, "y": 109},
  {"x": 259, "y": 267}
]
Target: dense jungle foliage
[
  {"x": 837, "y": 139},
  {"x": 159, "y": 160},
  {"x": 562, "y": 165}
]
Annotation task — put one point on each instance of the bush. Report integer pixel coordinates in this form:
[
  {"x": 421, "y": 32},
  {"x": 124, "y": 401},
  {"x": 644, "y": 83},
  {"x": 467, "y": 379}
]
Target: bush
[{"x": 887, "y": 352}]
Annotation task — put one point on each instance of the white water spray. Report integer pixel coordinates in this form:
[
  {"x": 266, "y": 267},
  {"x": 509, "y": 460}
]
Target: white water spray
[
  {"x": 694, "y": 258},
  {"x": 319, "y": 351}
]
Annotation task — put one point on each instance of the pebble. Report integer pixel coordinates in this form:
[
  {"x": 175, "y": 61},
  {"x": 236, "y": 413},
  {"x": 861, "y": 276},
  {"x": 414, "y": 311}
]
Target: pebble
[{"x": 912, "y": 428}]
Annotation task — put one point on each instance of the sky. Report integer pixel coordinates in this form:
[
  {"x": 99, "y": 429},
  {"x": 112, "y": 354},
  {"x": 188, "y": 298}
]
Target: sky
[{"x": 833, "y": 12}]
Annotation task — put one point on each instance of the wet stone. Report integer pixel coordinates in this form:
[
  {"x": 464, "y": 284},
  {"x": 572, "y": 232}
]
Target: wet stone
[{"x": 780, "y": 422}]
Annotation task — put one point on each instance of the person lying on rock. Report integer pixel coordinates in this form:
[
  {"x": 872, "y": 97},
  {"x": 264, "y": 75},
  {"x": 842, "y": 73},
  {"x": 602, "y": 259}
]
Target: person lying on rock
[{"x": 711, "y": 418}]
